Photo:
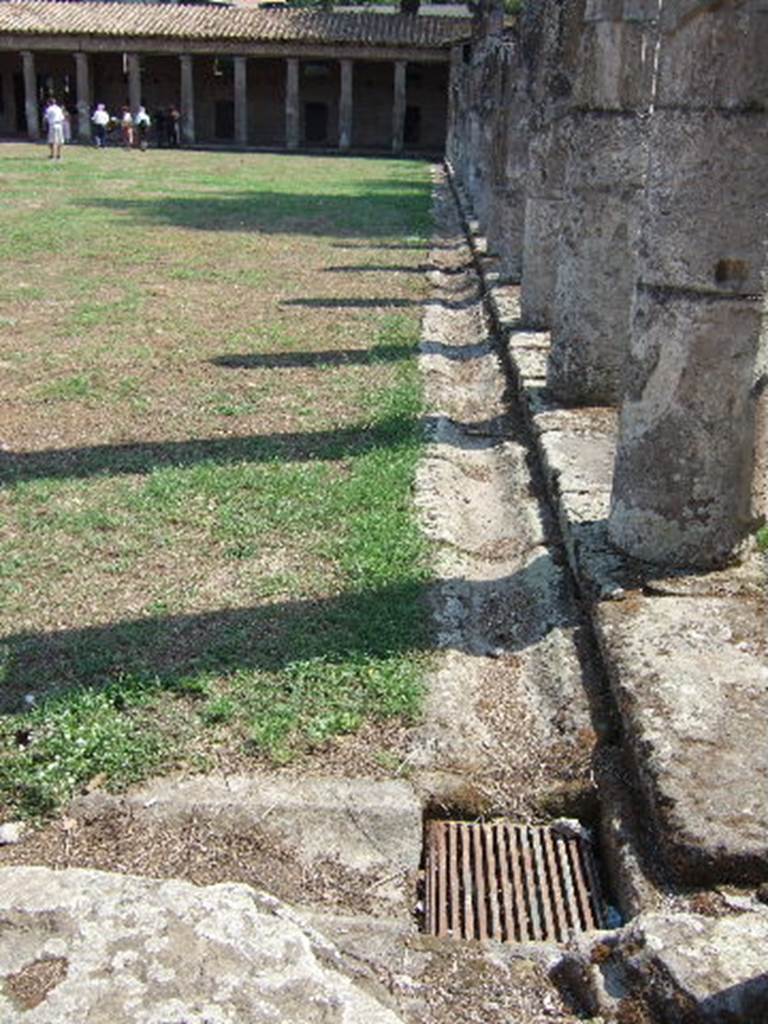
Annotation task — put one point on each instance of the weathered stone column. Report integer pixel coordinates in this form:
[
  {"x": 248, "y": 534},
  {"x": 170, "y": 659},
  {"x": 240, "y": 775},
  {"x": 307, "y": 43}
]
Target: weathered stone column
[
  {"x": 292, "y": 103},
  {"x": 509, "y": 166},
  {"x": 685, "y": 466},
  {"x": 241, "y": 100},
  {"x": 134, "y": 82},
  {"x": 30, "y": 95},
  {"x": 454, "y": 141},
  {"x": 83, "y": 78},
  {"x": 485, "y": 100},
  {"x": 187, "y": 99},
  {"x": 398, "y": 106},
  {"x": 345, "y": 104},
  {"x": 550, "y": 33},
  {"x": 604, "y": 175}
]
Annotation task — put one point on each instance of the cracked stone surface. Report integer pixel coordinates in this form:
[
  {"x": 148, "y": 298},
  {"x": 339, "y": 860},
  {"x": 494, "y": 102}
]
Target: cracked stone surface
[{"x": 691, "y": 683}]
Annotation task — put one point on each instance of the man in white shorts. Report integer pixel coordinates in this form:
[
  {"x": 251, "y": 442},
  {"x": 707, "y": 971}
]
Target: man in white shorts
[{"x": 54, "y": 118}]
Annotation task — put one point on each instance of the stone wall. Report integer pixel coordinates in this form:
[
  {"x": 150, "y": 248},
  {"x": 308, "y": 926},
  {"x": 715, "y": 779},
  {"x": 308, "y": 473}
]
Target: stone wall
[{"x": 615, "y": 154}]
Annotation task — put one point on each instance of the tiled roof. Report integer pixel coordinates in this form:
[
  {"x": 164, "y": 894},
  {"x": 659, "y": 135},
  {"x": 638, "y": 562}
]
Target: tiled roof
[{"x": 179, "y": 21}]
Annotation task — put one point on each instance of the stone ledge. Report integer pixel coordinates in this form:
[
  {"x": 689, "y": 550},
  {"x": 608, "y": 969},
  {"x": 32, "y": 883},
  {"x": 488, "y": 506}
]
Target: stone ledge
[
  {"x": 691, "y": 685},
  {"x": 685, "y": 653}
]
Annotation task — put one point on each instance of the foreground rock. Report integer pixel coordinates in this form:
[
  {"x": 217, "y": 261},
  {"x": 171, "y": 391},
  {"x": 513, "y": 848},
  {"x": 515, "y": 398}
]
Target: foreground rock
[
  {"x": 680, "y": 969},
  {"x": 109, "y": 949}
]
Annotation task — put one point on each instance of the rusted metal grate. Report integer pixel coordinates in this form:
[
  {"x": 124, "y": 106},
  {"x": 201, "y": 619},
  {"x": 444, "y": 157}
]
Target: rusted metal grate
[{"x": 512, "y": 883}]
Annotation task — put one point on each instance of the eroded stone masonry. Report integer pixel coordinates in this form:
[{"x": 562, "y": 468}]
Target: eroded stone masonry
[
  {"x": 616, "y": 156},
  {"x": 611, "y": 161}
]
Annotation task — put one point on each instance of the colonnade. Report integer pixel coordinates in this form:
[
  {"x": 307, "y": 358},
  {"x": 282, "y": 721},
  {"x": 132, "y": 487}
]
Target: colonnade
[
  {"x": 240, "y": 96},
  {"x": 622, "y": 180}
]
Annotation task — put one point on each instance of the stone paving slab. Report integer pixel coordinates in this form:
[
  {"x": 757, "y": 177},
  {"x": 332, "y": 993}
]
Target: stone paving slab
[
  {"x": 365, "y": 824},
  {"x": 691, "y": 684}
]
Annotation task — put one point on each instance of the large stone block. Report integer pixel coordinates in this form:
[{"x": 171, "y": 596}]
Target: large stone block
[
  {"x": 606, "y": 151},
  {"x": 616, "y": 67},
  {"x": 713, "y": 58},
  {"x": 684, "y": 467},
  {"x": 596, "y": 273},
  {"x": 540, "y": 244},
  {"x": 614, "y": 10},
  {"x": 548, "y": 153},
  {"x": 506, "y": 231},
  {"x": 677, "y": 968},
  {"x": 707, "y": 193},
  {"x": 691, "y": 683},
  {"x": 694, "y": 968}
]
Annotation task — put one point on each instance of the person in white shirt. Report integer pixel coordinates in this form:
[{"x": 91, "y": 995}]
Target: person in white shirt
[
  {"x": 141, "y": 120},
  {"x": 54, "y": 119},
  {"x": 100, "y": 120}
]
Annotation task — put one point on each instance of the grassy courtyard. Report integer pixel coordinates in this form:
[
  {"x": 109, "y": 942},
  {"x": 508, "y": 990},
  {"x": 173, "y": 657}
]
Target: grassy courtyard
[{"x": 209, "y": 430}]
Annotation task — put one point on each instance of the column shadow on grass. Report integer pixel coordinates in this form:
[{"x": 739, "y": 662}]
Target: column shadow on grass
[
  {"x": 145, "y": 457},
  {"x": 306, "y": 360},
  {"x": 380, "y": 303},
  {"x": 368, "y": 268},
  {"x": 166, "y": 650},
  {"x": 373, "y": 213},
  {"x": 344, "y": 357}
]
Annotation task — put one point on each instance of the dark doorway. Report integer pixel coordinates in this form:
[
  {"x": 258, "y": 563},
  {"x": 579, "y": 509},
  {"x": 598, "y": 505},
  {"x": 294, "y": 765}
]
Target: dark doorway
[
  {"x": 316, "y": 122},
  {"x": 412, "y": 126},
  {"x": 224, "y": 119},
  {"x": 21, "y": 108}
]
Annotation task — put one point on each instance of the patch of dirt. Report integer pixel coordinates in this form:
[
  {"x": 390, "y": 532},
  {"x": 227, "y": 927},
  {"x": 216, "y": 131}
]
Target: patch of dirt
[
  {"x": 30, "y": 986},
  {"x": 119, "y": 839},
  {"x": 464, "y": 983}
]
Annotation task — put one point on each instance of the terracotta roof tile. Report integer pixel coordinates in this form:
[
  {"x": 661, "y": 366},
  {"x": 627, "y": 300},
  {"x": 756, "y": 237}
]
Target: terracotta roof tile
[{"x": 179, "y": 21}]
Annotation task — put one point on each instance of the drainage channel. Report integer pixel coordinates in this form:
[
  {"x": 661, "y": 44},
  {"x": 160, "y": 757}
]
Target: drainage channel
[{"x": 517, "y": 709}]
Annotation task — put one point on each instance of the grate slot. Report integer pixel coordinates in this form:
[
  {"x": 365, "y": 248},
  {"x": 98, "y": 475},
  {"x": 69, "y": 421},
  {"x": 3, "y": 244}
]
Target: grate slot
[
  {"x": 442, "y": 881},
  {"x": 454, "y": 897},
  {"x": 587, "y": 869},
  {"x": 508, "y": 882},
  {"x": 519, "y": 884},
  {"x": 581, "y": 912},
  {"x": 505, "y": 884},
  {"x": 536, "y": 931},
  {"x": 493, "y": 883},
  {"x": 543, "y": 883},
  {"x": 466, "y": 877},
  {"x": 560, "y": 905},
  {"x": 480, "y": 886}
]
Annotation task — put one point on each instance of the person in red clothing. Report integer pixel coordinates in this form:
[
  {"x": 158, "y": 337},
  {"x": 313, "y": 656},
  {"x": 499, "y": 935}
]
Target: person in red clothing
[{"x": 126, "y": 127}]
